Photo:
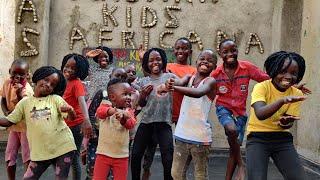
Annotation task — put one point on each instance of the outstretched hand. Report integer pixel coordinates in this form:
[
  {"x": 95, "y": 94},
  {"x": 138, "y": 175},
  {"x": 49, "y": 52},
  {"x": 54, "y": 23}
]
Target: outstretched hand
[
  {"x": 141, "y": 51},
  {"x": 292, "y": 99},
  {"x": 66, "y": 108},
  {"x": 304, "y": 89},
  {"x": 145, "y": 91},
  {"x": 286, "y": 121},
  {"x": 169, "y": 84}
]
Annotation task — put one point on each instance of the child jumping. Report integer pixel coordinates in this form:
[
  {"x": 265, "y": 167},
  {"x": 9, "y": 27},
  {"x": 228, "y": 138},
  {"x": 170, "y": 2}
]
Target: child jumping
[
  {"x": 275, "y": 105},
  {"x": 233, "y": 78},
  {"x": 13, "y": 90},
  {"x": 50, "y": 139},
  {"x": 193, "y": 133},
  {"x": 75, "y": 68},
  {"x": 115, "y": 121}
]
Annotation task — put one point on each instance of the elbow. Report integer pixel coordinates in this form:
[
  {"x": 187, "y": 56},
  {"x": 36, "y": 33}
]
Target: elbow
[{"x": 261, "y": 117}]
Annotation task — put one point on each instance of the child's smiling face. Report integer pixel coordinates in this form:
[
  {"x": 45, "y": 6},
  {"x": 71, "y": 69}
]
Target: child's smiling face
[
  {"x": 182, "y": 51},
  {"x": 69, "y": 69},
  {"x": 103, "y": 60},
  {"x": 46, "y": 85},
  {"x": 229, "y": 53},
  {"x": 287, "y": 77},
  {"x": 206, "y": 62},
  {"x": 121, "y": 95},
  {"x": 155, "y": 62},
  {"x": 19, "y": 73}
]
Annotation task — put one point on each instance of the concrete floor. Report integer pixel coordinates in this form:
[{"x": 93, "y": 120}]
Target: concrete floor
[{"x": 217, "y": 166}]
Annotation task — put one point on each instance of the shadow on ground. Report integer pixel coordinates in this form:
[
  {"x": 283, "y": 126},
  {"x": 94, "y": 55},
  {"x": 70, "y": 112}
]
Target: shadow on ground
[{"x": 217, "y": 167}]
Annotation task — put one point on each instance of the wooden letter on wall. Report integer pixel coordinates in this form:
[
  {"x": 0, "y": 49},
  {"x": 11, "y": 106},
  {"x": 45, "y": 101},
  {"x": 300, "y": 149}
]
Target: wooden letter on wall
[
  {"x": 162, "y": 35},
  {"x": 77, "y": 35},
  {"x": 255, "y": 42},
  {"x": 194, "y": 38},
  {"x": 221, "y": 36},
  {"x": 23, "y": 8},
  {"x": 127, "y": 39},
  {"x": 173, "y": 21},
  {"x": 108, "y": 13},
  {"x": 145, "y": 10},
  {"x": 32, "y": 49},
  {"x": 129, "y": 16},
  {"x": 101, "y": 37}
]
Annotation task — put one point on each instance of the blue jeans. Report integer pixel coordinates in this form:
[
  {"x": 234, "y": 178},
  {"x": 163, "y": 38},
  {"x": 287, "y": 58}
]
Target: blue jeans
[
  {"x": 225, "y": 117},
  {"x": 76, "y": 166}
]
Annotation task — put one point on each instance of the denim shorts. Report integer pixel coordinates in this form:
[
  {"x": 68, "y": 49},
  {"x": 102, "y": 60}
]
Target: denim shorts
[{"x": 225, "y": 117}]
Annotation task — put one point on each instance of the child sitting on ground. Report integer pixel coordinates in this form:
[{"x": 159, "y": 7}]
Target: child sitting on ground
[{"x": 116, "y": 120}]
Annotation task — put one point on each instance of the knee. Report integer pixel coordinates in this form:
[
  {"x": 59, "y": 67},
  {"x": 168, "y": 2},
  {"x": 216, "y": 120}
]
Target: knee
[
  {"x": 175, "y": 173},
  {"x": 231, "y": 132}
]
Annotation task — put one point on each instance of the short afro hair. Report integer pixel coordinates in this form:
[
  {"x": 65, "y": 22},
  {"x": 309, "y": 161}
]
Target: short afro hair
[
  {"x": 46, "y": 71},
  {"x": 146, "y": 59},
  {"x": 274, "y": 63},
  {"x": 81, "y": 63},
  {"x": 109, "y": 52}
]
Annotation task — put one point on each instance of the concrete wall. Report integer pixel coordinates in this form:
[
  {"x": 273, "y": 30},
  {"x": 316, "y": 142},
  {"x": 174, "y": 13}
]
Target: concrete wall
[{"x": 308, "y": 128}]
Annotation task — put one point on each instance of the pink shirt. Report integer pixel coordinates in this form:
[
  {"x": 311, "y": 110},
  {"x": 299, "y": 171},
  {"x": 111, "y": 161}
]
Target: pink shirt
[{"x": 232, "y": 93}]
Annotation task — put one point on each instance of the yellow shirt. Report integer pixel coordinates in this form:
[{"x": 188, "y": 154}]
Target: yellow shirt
[
  {"x": 47, "y": 133},
  {"x": 266, "y": 92},
  {"x": 9, "y": 93}
]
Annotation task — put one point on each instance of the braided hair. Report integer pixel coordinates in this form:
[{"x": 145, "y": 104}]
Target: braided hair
[
  {"x": 185, "y": 39},
  {"x": 109, "y": 52},
  {"x": 274, "y": 63},
  {"x": 81, "y": 63},
  {"x": 46, "y": 71},
  {"x": 145, "y": 59}
]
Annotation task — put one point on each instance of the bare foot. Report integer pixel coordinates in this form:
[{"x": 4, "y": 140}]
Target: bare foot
[
  {"x": 241, "y": 174},
  {"x": 146, "y": 175}
]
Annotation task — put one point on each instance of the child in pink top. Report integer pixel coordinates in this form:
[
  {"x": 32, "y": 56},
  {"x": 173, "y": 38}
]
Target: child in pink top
[{"x": 14, "y": 89}]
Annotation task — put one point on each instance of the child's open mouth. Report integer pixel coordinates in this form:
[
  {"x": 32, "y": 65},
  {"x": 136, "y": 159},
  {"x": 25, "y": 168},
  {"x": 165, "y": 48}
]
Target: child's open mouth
[
  {"x": 204, "y": 67},
  {"x": 285, "y": 83}
]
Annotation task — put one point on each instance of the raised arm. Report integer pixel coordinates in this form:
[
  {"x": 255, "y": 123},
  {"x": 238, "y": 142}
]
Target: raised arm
[
  {"x": 264, "y": 111},
  {"x": 208, "y": 88}
]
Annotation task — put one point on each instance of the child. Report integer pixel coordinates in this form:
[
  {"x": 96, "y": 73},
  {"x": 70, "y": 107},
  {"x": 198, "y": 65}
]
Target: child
[
  {"x": 275, "y": 105},
  {"x": 49, "y": 137},
  {"x": 99, "y": 75},
  {"x": 233, "y": 78},
  {"x": 101, "y": 96},
  {"x": 75, "y": 68},
  {"x": 182, "y": 51},
  {"x": 13, "y": 90},
  {"x": 116, "y": 120},
  {"x": 155, "y": 114},
  {"x": 193, "y": 133}
]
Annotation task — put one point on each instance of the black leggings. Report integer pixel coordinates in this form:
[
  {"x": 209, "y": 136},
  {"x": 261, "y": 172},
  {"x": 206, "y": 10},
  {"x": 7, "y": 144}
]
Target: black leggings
[
  {"x": 282, "y": 152},
  {"x": 61, "y": 165},
  {"x": 162, "y": 132}
]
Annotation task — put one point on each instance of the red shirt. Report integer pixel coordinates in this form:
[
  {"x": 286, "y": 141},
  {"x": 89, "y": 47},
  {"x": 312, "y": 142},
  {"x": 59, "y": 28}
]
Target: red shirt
[
  {"x": 232, "y": 93},
  {"x": 180, "y": 70},
  {"x": 73, "y": 91},
  {"x": 103, "y": 110}
]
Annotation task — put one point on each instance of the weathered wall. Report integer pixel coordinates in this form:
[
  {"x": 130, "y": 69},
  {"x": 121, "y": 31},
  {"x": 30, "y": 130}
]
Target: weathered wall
[
  {"x": 308, "y": 128},
  {"x": 276, "y": 22},
  {"x": 241, "y": 18}
]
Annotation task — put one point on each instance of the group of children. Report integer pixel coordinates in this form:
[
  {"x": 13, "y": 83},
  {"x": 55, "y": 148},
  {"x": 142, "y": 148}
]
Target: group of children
[{"x": 59, "y": 119}]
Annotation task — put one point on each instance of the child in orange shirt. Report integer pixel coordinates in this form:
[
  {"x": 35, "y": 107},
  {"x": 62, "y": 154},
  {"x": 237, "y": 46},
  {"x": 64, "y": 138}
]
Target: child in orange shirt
[{"x": 14, "y": 89}]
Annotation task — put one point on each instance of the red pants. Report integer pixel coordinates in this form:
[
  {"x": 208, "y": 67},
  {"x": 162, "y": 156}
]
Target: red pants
[{"x": 104, "y": 163}]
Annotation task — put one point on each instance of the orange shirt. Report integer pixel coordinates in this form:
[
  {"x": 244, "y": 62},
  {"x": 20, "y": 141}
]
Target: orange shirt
[
  {"x": 9, "y": 93},
  {"x": 180, "y": 70},
  {"x": 73, "y": 91}
]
